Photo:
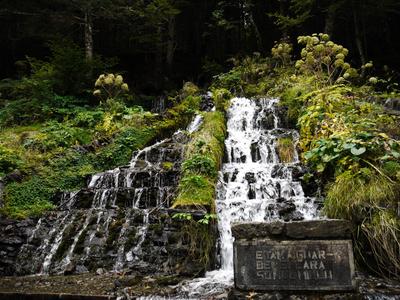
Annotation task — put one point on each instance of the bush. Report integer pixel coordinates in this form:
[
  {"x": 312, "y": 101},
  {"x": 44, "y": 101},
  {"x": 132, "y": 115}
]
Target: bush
[
  {"x": 56, "y": 134},
  {"x": 30, "y": 197},
  {"x": 200, "y": 164}
]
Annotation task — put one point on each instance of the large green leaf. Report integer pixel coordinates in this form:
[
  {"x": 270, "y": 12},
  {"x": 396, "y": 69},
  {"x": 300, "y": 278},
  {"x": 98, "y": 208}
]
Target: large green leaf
[{"x": 358, "y": 151}]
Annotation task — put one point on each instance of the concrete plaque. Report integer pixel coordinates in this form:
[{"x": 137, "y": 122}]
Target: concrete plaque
[{"x": 264, "y": 264}]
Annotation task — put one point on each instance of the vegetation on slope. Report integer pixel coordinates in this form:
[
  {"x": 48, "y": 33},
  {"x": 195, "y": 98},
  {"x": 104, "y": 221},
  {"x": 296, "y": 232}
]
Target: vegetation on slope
[
  {"x": 203, "y": 158},
  {"x": 347, "y": 138},
  {"x": 57, "y": 142}
]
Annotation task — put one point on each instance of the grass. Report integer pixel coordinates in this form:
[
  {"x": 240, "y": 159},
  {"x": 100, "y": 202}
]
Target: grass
[
  {"x": 383, "y": 235},
  {"x": 352, "y": 196},
  {"x": 286, "y": 149}
]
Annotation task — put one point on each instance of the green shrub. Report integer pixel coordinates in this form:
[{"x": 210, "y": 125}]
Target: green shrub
[
  {"x": 30, "y": 197},
  {"x": 56, "y": 134},
  {"x": 221, "y": 98},
  {"x": 200, "y": 164}
]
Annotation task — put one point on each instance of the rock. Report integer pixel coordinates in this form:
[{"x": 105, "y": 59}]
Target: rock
[
  {"x": 207, "y": 102},
  {"x": 392, "y": 103},
  {"x": 12, "y": 241},
  {"x": 255, "y": 152},
  {"x": 268, "y": 121},
  {"x": 70, "y": 269},
  {"x": 15, "y": 175},
  {"x": 80, "y": 269},
  {"x": 99, "y": 271},
  {"x": 326, "y": 229},
  {"x": 315, "y": 229},
  {"x": 180, "y": 137},
  {"x": 117, "y": 283},
  {"x": 250, "y": 177},
  {"x": 285, "y": 207}
]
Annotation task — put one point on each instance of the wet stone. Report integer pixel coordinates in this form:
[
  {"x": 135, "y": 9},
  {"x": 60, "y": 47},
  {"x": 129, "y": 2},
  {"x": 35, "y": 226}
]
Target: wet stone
[
  {"x": 250, "y": 177},
  {"x": 255, "y": 152}
]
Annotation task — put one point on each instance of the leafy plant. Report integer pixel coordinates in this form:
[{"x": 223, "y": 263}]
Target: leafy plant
[
  {"x": 200, "y": 164},
  {"x": 282, "y": 52},
  {"x": 321, "y": 56}
]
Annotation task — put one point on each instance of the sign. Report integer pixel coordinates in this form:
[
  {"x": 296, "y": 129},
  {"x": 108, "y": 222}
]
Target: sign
[{"x": 264, "y": 264}]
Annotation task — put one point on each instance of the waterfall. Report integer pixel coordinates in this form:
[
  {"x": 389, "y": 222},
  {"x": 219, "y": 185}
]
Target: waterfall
[
  {"x": 254, "y": 184},
  {"x": 106, "y": 224}
]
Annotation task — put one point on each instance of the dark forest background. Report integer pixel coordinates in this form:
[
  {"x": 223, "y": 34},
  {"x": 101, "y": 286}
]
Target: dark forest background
[{"x": 157, "y": 44}]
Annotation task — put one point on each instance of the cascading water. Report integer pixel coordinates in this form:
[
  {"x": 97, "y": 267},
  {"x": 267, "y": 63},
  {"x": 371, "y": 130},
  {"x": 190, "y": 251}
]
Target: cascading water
[
  {"x": 254, "y": 184},
  {"x": 106, "y": 224}
]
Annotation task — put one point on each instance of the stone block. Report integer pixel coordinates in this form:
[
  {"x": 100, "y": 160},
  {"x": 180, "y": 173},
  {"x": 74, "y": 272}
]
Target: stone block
[
  {"x": 309, "y": 255},
  {"x": 321, "y": 265},
  {"x": 315, "y": 229}
]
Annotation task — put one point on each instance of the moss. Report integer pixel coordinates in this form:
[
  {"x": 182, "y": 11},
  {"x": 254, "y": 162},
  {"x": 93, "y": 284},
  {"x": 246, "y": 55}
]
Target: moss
[{"x": 166, "y": 165}]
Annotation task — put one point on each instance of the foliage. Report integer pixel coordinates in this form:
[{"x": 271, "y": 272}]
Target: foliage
[
  {"x": 350, "y": 143},
  {"x": 109, "y": 87},
  {"x": 71, "y": 73},
  {"x": 200, "y": 164},
  {"x": 221, "y": 98},
  {"x": 282, "y": 52},
  {"x": 60, "y": 154},
  {"x": 383, "y": 236},
  {"x": 199, "y": 236},
  {"x": 369, "y": 199},
  {"x": 9, "y": 161},
  {"x": 321, "y": 56},
  {"x": 247, "y": 75}
]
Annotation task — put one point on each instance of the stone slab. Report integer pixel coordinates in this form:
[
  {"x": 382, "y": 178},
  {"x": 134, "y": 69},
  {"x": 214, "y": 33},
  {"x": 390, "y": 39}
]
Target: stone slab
[
  {"x": 320, "y": 265},
  {"x": 314, "y": 229}
]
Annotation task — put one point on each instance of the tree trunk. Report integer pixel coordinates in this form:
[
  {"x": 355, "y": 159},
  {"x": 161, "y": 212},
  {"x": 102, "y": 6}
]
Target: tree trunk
[
  {"x": 171, "y": 45},
  {"x": 255, "y": 28},
  {"x": 158, "y": 68},
  {"x": 330, "y": 21},
  {"x": 358, "y": 37},
  {"x": 88, "y": 35}
]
